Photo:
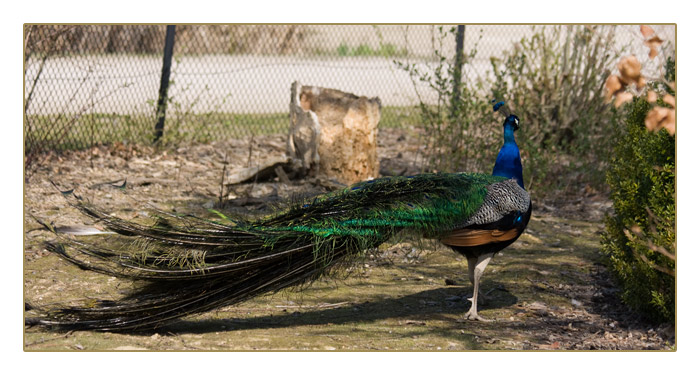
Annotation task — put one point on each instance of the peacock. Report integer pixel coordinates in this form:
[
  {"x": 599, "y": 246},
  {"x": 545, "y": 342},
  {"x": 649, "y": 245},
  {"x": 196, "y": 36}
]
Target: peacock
[{"x": 183, "y": 265}]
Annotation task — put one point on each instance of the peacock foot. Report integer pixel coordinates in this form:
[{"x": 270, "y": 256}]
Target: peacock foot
[{"x": 473, "y": 315}]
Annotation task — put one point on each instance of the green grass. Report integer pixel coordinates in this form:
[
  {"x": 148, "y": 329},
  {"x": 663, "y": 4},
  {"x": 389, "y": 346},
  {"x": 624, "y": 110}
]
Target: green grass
[
  {"x": 102, "y": 128},
  {"x": 385, "y": 49},
  {"x": 400, "y": 117}
]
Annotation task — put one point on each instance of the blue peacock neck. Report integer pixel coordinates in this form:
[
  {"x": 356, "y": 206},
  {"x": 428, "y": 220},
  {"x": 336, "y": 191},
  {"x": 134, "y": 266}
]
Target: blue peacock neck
[{"x": 508, "y": 161}]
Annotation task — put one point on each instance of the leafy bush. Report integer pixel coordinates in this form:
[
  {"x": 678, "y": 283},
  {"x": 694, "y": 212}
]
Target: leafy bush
[
  {"x": 640, "y": 238},
  {"x": 458, "y": 125},
  {"x": 552, "y": 80}
]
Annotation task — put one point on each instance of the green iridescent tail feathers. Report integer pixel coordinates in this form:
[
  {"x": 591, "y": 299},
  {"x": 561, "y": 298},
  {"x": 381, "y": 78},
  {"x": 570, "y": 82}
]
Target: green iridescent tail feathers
[{"x": 186, "y": 265}]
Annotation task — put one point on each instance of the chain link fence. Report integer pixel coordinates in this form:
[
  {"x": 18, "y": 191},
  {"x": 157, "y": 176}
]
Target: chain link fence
[{"x": 93, "y": 84}]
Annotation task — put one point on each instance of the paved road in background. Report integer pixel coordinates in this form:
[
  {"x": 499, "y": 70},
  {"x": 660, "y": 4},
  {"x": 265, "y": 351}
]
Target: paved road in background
[{"x": 247, "y": 84}]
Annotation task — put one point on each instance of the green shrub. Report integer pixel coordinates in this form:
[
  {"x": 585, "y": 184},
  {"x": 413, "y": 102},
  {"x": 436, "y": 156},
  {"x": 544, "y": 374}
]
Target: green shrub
[
  {"x": 461, "y": 133},
  {"x": 552, "y": 80},
  {"x": 639, "y": 239}
]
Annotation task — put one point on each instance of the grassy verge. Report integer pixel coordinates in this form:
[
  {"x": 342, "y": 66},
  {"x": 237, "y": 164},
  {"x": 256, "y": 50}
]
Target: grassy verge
[{"x": 105, "y": 128}]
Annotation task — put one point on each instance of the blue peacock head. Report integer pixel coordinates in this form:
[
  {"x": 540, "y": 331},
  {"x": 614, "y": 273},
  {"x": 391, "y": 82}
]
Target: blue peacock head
[
  {"x": 508, "y": 160},
  {"x": 503, "y": 109}
]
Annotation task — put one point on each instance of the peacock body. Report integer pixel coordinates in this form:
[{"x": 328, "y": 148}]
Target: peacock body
[{"x": 185, "y": 265}]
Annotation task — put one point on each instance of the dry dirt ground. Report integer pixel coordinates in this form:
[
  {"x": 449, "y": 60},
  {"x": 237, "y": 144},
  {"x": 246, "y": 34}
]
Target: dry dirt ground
[{"x": 548, "y": 291}]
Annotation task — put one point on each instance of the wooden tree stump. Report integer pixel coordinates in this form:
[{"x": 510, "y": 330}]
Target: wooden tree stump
[{"x": 334, "y": 133}]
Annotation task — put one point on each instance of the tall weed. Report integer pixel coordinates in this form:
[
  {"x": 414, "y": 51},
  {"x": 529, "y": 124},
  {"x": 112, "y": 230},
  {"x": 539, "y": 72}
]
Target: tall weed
[{"x": 553, "y": 80}]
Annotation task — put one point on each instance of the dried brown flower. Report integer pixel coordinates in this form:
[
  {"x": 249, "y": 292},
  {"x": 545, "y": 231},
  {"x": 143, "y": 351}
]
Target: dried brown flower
[
  {"x": 653, "y": 44},
  {"x": 631, "y": 71},
  {"x": 661, "y": 118},
  {"x": 613, "y": 86},
  {"x": 647, "y": 31},
  {"x": 670, "y": 100},
  {"x": 652, "y": 97},
  {"x": 623, "y": 98}
]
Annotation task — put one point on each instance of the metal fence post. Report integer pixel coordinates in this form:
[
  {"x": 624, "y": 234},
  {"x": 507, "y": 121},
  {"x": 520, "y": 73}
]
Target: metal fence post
[
  {"x": 457, "y": 73},
  {"x": 164, "y": 81}
]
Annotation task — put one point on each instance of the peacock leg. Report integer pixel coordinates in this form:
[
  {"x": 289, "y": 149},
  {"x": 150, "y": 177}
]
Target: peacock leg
[
  {"x": 472, "y": 261},
  {"x": 476, "y": 269},
  {"x": 472, "y": 264}
]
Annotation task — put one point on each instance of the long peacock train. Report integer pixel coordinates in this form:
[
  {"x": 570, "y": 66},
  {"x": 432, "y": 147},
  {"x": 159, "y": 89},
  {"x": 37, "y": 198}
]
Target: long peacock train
[{"x": 185, "y": 265}]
